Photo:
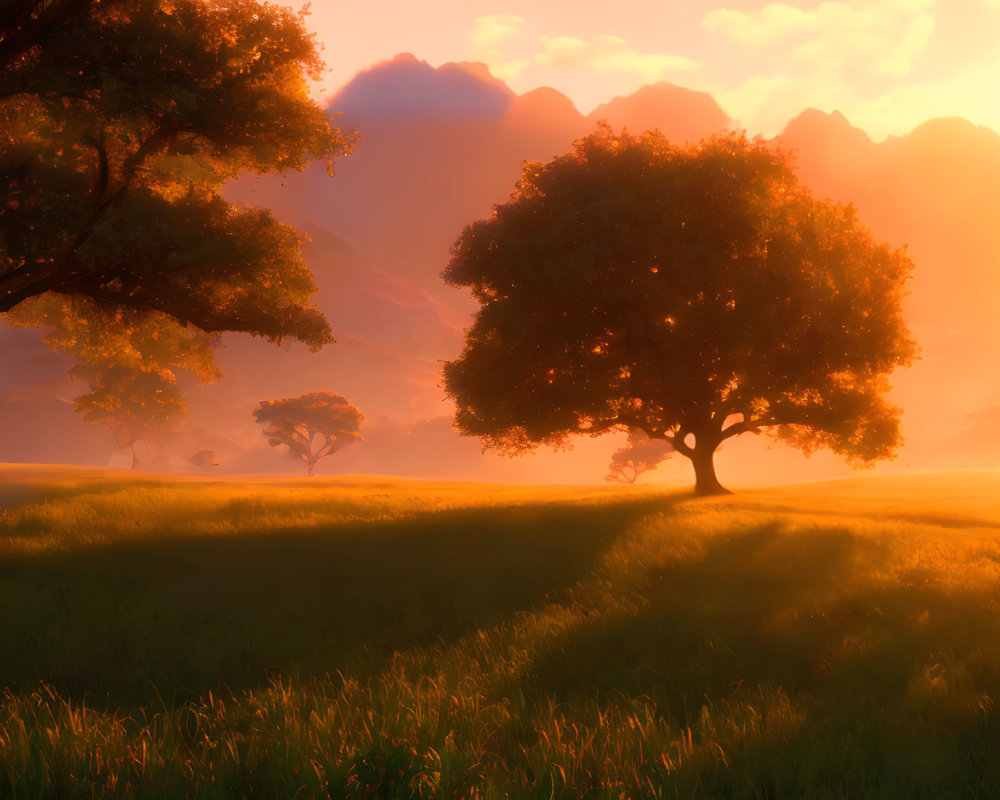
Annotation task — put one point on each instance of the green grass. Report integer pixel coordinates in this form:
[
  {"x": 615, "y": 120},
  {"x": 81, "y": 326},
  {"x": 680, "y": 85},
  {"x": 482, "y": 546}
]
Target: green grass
[{"x": 360, "y": 638}]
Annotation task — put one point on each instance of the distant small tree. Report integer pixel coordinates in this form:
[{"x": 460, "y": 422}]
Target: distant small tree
[
  {"x": 128, "y": 358},
  {"x": 642, "y": 455},
  {"x": 312, "y": 426},
  {"x": 204, "y": 458},
  {"x": 137, "y": 407}
]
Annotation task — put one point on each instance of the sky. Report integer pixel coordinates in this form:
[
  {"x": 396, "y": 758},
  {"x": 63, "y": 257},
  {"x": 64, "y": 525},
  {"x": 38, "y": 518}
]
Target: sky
[{"x": 887, "y": 65}]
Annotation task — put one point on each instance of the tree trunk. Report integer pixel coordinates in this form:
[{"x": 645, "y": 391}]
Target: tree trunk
[
  {"x": 705, "y": 482},
  {"x": 310, "y": 464}
]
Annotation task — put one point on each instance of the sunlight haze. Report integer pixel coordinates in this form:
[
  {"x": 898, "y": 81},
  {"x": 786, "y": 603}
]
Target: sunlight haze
[
  {"x": 470, "y": 399},
  {"x": 887, "y": 65},
  {"x": 889, "y": 107}
]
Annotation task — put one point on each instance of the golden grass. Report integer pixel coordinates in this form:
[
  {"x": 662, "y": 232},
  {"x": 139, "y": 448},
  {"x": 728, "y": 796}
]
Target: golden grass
[{"x": 366, "y": 637}]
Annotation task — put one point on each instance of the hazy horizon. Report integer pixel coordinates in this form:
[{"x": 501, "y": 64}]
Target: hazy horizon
[{"x": 438, "y": 147}]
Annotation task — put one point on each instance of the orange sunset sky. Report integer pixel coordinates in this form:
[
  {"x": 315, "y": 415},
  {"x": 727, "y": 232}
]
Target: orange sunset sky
[{"x": 888, "y": 65}]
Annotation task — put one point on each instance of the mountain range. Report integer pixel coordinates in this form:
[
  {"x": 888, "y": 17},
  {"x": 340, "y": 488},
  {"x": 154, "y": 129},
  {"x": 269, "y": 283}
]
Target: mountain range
[{"x": 438, "y": 147}]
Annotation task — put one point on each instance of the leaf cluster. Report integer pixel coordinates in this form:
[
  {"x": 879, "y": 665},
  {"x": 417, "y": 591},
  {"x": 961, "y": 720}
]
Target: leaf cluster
[{"x": 124, "y": 119}]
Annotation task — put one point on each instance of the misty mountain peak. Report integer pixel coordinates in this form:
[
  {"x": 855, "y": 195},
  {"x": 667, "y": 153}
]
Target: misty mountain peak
[
  {"x": 817, "y": 127},
  {"x": 548, "y": 108},
  {"x": 407, "y": 86},
  {"x": 680, "y": 114},
  {"x": 552, "y": 99},
  {"x": 954, "y": 132}
]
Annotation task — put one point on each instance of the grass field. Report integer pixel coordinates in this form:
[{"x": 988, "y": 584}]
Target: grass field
[{"x": 365, "y": 638}]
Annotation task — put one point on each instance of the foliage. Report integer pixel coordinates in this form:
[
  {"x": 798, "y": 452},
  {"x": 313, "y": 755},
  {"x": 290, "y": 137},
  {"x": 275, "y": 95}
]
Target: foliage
[
  {"x": 312, "y": 426},
  {"x": 25, "y": 23},
  {"x": 642, "y": 455},
  {"x": 695, "y": 293},
  {"x": 251, "y": 639},
  {"x": 123, "y": 118},
  {"x": 128, "y": 358}
]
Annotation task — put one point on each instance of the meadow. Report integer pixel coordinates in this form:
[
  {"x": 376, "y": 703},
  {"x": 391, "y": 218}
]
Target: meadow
[{"x": 383, "y": 638}]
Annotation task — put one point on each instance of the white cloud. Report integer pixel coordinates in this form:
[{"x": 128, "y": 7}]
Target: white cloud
[
  {"x": 972, "y": 93},
  {"x": 883, "y": 37},
  {"x": 857, "y": 56},
  {"x": 765, "y": 104},
  {"x": 489, "y": 31},
  {"x": 492, "y": 37},
  {"x": 772, "y": 23},
  {"x": 899, "y": 59},
  {"x": 609, "y": 54}
]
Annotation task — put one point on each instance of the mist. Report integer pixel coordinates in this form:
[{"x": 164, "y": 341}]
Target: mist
[{"x": 438, "y": 148}]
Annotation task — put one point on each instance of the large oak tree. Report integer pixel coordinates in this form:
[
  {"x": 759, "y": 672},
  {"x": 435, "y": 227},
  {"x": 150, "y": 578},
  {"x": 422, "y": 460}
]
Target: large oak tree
[
  {"x": 122, "y": 120},
  {"x": 695, "y": 293}
]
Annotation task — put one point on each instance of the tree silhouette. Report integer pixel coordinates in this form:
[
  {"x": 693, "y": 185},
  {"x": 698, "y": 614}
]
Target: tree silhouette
[
  {"x": 312, "y": 426},
  {"x": 128, "y": 358},
  {"x": 642, "y": 455},
  {"x": 122, "y": 120},
  {"x": 695, "y": 293}
]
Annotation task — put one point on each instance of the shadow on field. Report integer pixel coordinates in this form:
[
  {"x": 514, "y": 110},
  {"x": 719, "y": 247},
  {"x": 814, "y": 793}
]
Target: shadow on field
[
  {"x": 806, "y": 612},
  {"x": 187, "y": 614},
  {"x": 798, "y": 666}
]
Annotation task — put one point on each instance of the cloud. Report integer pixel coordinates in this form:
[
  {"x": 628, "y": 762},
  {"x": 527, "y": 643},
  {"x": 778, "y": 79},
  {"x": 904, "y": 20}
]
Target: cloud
[
  {"x": 862, "y": 57},
  {"x": 971, "y": 92},
  {"x": 883, "y": 38},
  {"x": 772, "y": 23},
  {"x": 490, "y": 31},
  {"x": 765, "y": 104},
  {"x": 492, "y": 35},
  {"x": 608, "y": 54}
]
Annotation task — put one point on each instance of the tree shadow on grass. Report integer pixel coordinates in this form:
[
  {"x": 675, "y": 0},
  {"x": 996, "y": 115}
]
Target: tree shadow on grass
[
  {"x": 896, "y": 680},
  {"x": 700, "y": 627},
  {"x": 188, "y": 614}
]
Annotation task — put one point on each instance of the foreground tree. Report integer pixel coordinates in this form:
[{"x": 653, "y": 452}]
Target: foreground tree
[
  {"x": 641, "y": 455},
  {"x": 312, "y": 426},
  {"x": 692, "y": 293},
  {"x": 122, "y": 120}
]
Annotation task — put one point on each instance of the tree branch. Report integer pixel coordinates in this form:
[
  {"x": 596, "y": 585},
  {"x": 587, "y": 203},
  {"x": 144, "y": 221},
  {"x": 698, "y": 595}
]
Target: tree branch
[
  {"x": 676, "y": 441},
  {"x": 31, "y": 286},
  {"x": 153, "y": 143},
  {"x": 100, "y": 187},
  {"x": 67, "y": 270}
]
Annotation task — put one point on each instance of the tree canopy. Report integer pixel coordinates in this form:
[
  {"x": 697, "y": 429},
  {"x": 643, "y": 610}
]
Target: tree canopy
[
  {"x": 312, "y": 426},
  {"x": 123, "y": 118},
  {"x": 694, "y": 293}
]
